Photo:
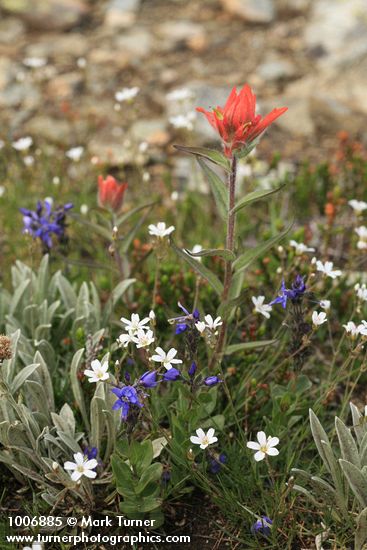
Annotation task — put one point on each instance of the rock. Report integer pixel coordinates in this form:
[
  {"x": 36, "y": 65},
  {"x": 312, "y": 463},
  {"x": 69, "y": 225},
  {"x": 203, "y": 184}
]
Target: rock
[
  {"x": 153, "y": 131},
  {"x": 59, "y": 45},
  {"x": 206, "y": 96},
  {"x": 331, "y": 115},
  {"x": 6, "y": 72},
  {"x": 277, "y": 69},
  {"x": 65, "y": 86},
  {"x": 11, "y": 30},
  {"x": 336, "y": 32},
  {"x": 51, "y": 129},
  {"x": 297, "y": 120},
  {"x": 253, "y": 11},
  {"x": 108, "y": 58},
  {"x": 48, "y": 15},
  {"x": 22, "y": 94},
  {"x": 121, "y": 13},
  {"x": 187, "y": 33},
  {"x": 110, "y": 150},
  {"x": 137, "y": 43}
]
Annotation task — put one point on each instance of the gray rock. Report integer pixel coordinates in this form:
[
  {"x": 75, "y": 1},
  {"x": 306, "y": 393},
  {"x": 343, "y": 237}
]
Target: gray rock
[
  {"x": 51, "y": 129},
  {"x": 184, "y": 32},
  {"x": 59, "y": 45},
  {"x": 137, "y": 43},
  {"x": 154, "y": 131},
  {"x": 23, "y": 94},
  {"x": 11, "y": 30},
  {"x": 65, "y": 86},
  {"x": 121, "y": 13},
  {"x": 254, "y": 11},
  {"x": 48, "y": 15},
  {"x": 337, "y": 31},
  {"x": 207, "y": 97},
  {"x": 6, "y": 72},
  {"x": 276, "y": 69}
]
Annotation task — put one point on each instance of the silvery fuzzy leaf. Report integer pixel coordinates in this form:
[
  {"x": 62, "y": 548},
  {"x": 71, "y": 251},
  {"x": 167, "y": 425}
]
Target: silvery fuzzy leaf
[
  {"x": 357, "y": 481},
  {"x": 360, "y": 538},
  {"x": 42, "y": 332},
  {"x": 75, "y": 385},
  {"x": 67, "y": 292},
  {"x": 340, "y": 494},
  {"x": 18, "y": 295},
  {"x": 68, "y": 416},
  {"x": 17, "y": 435},
  {"x": 97, "y": 419},
  {"x": 323, "y": 488},
  {"x": 44, "y": 378},
  {"x": 43, "y": 276},
  {"x": 36, "y": 398},
  {"x": 307, "y": 494},
  {"x": 319, "y": 435},
  {"x": 83, "y": 306},
  {"x": 51, "y": 311},
  {"x": 347, "y": 444},
  {"x": 96, "y": 339},
  {"x": 158, "y": 446},
  {"x": 4, "y": 428},
  {"x": 68, "y": 441},
  {"x": 22, "y": 376}
]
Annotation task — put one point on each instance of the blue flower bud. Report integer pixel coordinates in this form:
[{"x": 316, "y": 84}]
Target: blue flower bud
[
  {"x": 212, "y": 380},
  {"x": 171, "y": 375},
  {"x": 192, "y": 369},
  {"x": 262, "y": 526},
  {"x": 149, "y": 379}
]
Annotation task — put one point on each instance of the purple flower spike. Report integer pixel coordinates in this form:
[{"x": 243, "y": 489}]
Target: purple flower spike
[
  {"x": 262, "y": 526},
  {"x": 192, "y": 369},
  {"x": 149, "y": 379},
  {"x": 171, "y": 375}
]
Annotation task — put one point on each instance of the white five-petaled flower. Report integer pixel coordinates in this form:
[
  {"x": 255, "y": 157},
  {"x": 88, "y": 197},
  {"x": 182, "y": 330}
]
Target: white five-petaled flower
[
  {"x": 260, "y": 307},
  {"x": 98, "y": 372},
  {"x": 160, "y": 230},
  {"x": 362, "y": 234},
  {"x": 211, "y": 323},
  {"x": 352, "y": 329},
  {"x": 183, "y": 121},
  {"x": 204, "y": 439},
  {"x": 201, "y": 326},
  {"x": 143, "y": 338},
  {"x": 325, "y": 304},
  {"x": 362, "y": 328},
  {"x": 167, "y": 359},
  {"x": 75, "y": 153},
  {"x": 22, "y": 144},
  {"x": 301, "y": 248},
  {"x": 180, "y": 94},
  {"x": 126, "y": 94},
  {"x": 361, "y": 291},
  {"x": 318, "y": 318},
  {"x": 126, "y": 338},
  {"x": 358, "y": 206},
  {"x": 81, "y": 467},
  {"x": 327, "y": 269},
  {"x": 264, "y": 446},
  {"x": 134, "y": 324}
]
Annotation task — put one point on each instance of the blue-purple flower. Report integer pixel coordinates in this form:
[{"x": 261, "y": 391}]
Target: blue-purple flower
[
  {"x": 126, "y": 397},
  {"x": 171, "y": 375},
  {"x": 149, "y": 379},
  {"x": 215, "y": 463},
  {"x": 44, "y": 222},
  {"x": 263, "y": 526},
  {"x": 295, "y": 293},
  {"x": 185, "y": 321},
  {"x": 212, "y": 380}
]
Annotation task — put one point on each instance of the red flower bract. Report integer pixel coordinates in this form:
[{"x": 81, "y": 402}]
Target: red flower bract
[
  {"x": 236, "y": 122},
  {"x": 111, "y": 193}
]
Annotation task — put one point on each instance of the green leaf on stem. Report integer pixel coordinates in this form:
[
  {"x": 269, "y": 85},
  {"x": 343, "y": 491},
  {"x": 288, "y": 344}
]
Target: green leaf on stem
[
  {"x": 221, "y": 252},
  {"x": 124, "y": 217},
  {"x": 255, "y": 196},
  {"x": 199, "y": 268},
  {"x": 210, "y": 154},
  {"x": 248, "y": 346},
  {"x": 246, "y": 259},
  {"x": 219, "y": 189}
]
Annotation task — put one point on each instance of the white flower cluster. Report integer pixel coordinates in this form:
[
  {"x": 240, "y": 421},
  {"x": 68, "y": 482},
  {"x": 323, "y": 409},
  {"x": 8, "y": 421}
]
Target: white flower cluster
[
  {"x": 362, "y": 234},
  {"x": 260, "y": 307},
  {"x": 209, "y": 324},
  {"x": 137, "y": 331},
  {"x": 354, "y": 330},
  {"x": 326, "y": 268},
  {"x": 361, "y": 292}
]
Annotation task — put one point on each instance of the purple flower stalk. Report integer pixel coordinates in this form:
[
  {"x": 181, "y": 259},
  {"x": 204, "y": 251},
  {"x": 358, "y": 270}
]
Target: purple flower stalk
[
  {"x": 263, "y": 526},
  {"x": 185, "y": 321},
  {"x": 44, "y": 222},
  {"x": 295, "y": 293},
  {"x": 126, "y": 397}
]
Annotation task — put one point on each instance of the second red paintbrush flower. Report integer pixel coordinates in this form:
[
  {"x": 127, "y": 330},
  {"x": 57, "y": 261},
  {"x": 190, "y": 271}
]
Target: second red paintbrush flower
[
  {"x": 237, "y": 122},
  {"x": 111, "y": 193}
]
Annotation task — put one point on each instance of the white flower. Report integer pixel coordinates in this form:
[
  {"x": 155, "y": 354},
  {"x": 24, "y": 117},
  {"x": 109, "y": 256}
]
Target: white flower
[
  {"x": 183, "y": 121},
  {"x": 204, "y": 439},
  {"x": 28, "y": 160},
  {"x": 167, "y": 359},
  {"x": 318, "y": 318},
  {"x": 98, "y": 372},
  {"x": 362, "y": 328},
  {"x": 151, "y": 315},
  {"x": 327, "y": 269},
  {"x": 325, "y": 304},
  {"x": 143, "y": 338},
  {"x": 75, "y": 153},
  {"x": 197, "y": 248},
  {"x": 22, "y": 144},
  {"x": 362, "y": 234},
  {"x": 265, "y": 446},
  {"x": 56, "y": 180},
  {"x": 201, "y": 326},
  {"x": 160, "y": 230},
  {"x": 180, "y": 94},
  {"x": 126, "y": 94},
  {"x": 84, "y": 209},
  {"x": 211, "y": 323},
  {"x": 2, "y": 190},
  {"x": 126, "y": 339},
  {"x": 134, "y": 324},
  {"x": 81, "y": 467},
  {"x": 34, "y": 62},
  {"x": 260, "y": 307},
  {"x": 301, "y": 248},
  {"x": 361, "y": 291},
  {"x": 352, "y": 329},
  {"x": 358, "y": 206},
  {"x": 35, "y": 546}
]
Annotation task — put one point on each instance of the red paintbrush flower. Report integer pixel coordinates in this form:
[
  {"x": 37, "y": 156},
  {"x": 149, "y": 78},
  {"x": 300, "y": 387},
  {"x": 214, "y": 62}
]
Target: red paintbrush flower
[
  {"x": 110, "y": 193},
  {"x": 236, "y": 122}
]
